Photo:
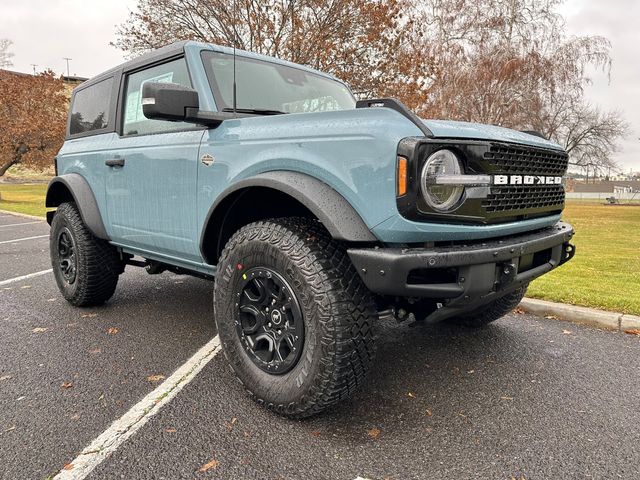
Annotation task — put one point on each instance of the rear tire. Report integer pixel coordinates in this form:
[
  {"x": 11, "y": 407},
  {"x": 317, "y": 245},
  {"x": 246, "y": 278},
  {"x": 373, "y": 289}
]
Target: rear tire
[
  {"x": 323, "y": 300},
  {"x": 491, "y": 312},
  {"x": 85, "y": 267}
]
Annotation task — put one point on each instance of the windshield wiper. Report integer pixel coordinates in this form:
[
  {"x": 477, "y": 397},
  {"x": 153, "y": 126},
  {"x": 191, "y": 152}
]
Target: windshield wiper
[{"x": 256, "y": 111}]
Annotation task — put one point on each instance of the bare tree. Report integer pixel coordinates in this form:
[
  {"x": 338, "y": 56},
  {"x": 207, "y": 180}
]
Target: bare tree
[
  {"x": 5, "y": 54},
  {"x": 510, "y": 63}
]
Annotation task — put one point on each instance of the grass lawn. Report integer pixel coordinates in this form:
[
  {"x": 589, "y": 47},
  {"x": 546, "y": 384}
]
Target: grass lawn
[
  {"x": 23, "y": 198},
  {"x": 605, "y": 273}
]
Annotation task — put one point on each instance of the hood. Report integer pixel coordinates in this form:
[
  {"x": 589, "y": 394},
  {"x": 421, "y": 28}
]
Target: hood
[{"x": 453, "y": 129}]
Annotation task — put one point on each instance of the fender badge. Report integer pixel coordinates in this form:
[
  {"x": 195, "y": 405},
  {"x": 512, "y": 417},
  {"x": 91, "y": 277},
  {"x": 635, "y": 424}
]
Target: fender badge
[{"x": 207, "y": 159}]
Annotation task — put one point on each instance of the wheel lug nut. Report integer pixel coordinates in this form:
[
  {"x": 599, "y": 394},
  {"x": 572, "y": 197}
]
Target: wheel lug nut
[{"x": 269, "y": 324}]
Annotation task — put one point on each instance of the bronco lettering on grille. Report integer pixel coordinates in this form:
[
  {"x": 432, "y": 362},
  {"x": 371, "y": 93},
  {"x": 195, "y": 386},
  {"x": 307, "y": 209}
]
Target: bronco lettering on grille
[{"x": 526, "y": 180}]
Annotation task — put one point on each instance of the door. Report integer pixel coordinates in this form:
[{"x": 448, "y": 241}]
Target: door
[{"x": 151, "y": 179}]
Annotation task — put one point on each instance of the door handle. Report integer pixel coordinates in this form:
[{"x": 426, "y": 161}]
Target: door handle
[{"x": 115, "y": 162}]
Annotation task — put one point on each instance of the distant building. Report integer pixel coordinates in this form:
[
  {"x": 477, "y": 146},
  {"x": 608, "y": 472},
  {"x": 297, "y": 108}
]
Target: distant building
[
  {"x": 607, "y": 186},
  {"x": 70, "y": 81}
]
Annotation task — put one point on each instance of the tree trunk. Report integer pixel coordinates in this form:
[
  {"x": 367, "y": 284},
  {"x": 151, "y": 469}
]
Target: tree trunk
[{"x": 5, "y": 165}]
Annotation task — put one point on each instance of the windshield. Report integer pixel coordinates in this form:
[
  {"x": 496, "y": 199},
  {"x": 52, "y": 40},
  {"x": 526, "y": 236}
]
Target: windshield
[{"x": 272, "y": 87}]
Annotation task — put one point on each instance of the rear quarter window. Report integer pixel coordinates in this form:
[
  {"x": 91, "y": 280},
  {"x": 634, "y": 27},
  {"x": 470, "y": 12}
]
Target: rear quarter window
[{"x": 90, "y": 108}]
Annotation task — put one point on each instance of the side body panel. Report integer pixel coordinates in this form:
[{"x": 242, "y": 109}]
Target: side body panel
[{"x": 151, "y": 200}]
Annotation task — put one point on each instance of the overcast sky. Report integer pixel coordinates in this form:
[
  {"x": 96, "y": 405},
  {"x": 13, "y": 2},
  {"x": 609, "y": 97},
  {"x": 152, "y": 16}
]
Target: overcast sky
[{"x": 45, "y": 31}]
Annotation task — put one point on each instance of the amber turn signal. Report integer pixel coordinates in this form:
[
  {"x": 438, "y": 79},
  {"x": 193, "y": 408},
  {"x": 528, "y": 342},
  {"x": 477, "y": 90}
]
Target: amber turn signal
[{"x": 402, "y": 176}]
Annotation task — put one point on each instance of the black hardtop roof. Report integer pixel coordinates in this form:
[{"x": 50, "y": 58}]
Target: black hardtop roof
[{"x": 167, "y": 51}]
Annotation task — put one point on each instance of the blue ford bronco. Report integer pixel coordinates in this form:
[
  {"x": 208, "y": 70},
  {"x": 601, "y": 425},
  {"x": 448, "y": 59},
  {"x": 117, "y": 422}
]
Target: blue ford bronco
[{"x": 314, "y": 213}]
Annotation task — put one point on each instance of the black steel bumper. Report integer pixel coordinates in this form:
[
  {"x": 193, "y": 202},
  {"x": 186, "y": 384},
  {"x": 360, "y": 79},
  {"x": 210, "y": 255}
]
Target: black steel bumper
[{"x": 463, "y": 277}]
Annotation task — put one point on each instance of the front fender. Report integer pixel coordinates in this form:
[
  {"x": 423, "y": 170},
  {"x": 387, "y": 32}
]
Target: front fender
[
  {"x": 74, "y": 187},
  {"x": 331, "y": 208}
]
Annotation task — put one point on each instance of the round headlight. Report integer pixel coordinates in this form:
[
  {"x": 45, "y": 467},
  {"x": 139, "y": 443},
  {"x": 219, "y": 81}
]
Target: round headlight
[{"x": 441, "y": 198}]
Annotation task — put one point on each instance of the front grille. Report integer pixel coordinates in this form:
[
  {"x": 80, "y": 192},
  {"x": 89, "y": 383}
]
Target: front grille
[
  {"x": 526, "y": 160},
  {"x": 524, "y": 197}
]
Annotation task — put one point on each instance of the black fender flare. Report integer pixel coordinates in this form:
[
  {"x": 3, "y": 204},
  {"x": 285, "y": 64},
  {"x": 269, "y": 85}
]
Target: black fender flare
[
  {"x": 329, "y": 206},
  {"x": 77, "y": 186}
]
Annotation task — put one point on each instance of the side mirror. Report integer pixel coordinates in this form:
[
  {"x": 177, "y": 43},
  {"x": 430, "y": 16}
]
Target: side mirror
[{"x": 168, "y": 101}]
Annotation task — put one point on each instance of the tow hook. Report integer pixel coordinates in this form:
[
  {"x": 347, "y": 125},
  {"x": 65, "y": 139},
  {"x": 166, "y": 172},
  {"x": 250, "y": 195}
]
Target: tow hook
[{"x": 508, "y": 272}]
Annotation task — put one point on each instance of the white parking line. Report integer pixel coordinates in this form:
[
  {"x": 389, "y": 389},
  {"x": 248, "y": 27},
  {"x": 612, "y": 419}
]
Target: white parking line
[
  {"x": 127, "y": 425},
  {"x": 25, "y": 277},
  {"x": 23, "y": 239},
  {"x": 18, "y": 224}
]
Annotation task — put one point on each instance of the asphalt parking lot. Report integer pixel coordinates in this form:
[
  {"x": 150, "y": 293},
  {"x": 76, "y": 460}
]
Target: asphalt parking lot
[{"x": 526, "y": 398}]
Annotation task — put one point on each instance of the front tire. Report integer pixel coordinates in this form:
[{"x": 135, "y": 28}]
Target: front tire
[
  {"x": 294, "y": 319},
  {"x": 85, "y": 267},
  {"x": 491, "y": 312}
]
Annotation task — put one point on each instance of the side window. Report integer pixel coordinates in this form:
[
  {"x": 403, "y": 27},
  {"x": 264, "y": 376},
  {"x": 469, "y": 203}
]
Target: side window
[
  {"x": 134, "y": 122},
  {"x": 90, "y": 109}
]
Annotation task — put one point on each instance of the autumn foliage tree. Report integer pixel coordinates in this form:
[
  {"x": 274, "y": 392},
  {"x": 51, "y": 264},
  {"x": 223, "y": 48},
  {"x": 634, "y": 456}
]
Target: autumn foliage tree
[
  {"x": 33, "y": 111},
  {"x": 502, "y": 62},
  {"x": 360, "y": 41}
]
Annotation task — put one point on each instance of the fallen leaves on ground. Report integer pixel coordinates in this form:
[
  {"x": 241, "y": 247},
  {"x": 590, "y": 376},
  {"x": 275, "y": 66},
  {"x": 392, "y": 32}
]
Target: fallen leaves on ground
[
  {"x": 374, "y": 433},
  {"x": 25, "y": 286},
  {"x": 316, "y": 433},
  {"x": 231, "y": 423},
  {"x": 39, "y": 330},
  {"x": 518, "y": 310},
  {"x": 551, "y": 317},
  {"x": 170, "y": 430},
  {"x": 208, "y": 466},
  {"x": 633, "y": 331},
  {"x": 5, "y": 377},
  {"x": 155, "y": 378},
  {"x": 112, "y": 331},
  {"x": 506, "y": 398},
  {"x": 94, "y": 351},
  {"x": 428, "y": 412},
  {"x": 66, "y": 385},
  {"x": 68, "y": 466},
  {"x": 411, "y": 395},
  {"x": 89, "y": 315},
  {"x": 567, "y": 332}
]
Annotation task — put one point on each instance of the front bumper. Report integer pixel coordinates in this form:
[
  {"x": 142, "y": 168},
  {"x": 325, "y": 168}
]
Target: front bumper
[{"x": 464, "y": 277}]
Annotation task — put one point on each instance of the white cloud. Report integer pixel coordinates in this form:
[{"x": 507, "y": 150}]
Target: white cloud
[{"x": 45, "y": 31}]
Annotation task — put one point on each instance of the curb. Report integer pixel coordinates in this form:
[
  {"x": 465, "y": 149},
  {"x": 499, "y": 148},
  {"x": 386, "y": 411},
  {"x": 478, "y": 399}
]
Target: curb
[
  {"x": 582, "y": 315},
  {"x": 23, "y": 215}
]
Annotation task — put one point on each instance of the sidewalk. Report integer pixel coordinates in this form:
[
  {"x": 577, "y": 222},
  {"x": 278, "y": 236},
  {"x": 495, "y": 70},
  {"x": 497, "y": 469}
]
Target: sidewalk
[{"x": 587, "y": 316}]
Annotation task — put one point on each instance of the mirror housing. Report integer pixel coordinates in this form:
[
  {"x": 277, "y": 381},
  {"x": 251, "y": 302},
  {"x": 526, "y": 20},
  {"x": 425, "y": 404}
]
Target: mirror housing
[
  {"x": 176, "y": 103},
  {"x": 168, "y": 101}
]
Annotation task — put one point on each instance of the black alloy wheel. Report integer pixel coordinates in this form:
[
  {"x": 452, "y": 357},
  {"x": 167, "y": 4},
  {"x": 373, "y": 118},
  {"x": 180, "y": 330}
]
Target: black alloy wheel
[
  {"x": 270, "y": 322},
  {"x": 67, "y": 260}
]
